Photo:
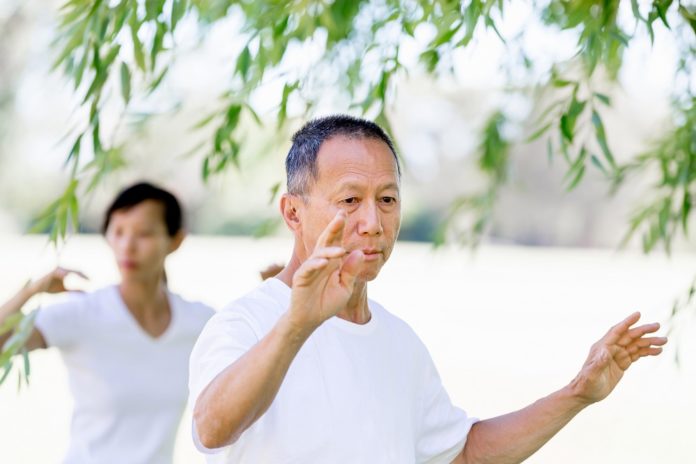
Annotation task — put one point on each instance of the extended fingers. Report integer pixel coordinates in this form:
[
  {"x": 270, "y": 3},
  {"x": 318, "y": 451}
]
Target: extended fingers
[
  {"x": 637, "y": 332},
  {"x": 325, "y": 259},
  {"x": 649, "y": 351},
  {"x": 646, "y": 343},
  {"x": 333, "y": 233},
  {"x": 329, "y": 252},
  {"x": 310, "y": 269},
  {"x": 620, "y": 329}
]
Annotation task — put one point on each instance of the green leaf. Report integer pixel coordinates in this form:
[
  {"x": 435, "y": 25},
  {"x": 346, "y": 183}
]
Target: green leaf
[
  {"x": 8, "y": 368},
  {"x": 445, "y": 36},
  {"x": 75, "y": 212},
  {"x": 10, "y": 322},
  {"x": 138, "y": 52},
  {"x": 430, "y": 58},
  {"x": 158, "y": 80},
  {"x": 596, "y": 161},
  {"x": 283, "y": 108},
  {"x": 233, "y": 113},
  {"x": 125, "y": 82},
  {"x": 274, "y": 192},
  {"x": 205, "y": 121},
  {"x": 685, "y": 210},
  {"x": 205, "y": 169},
  {"x": 603, "y": 98},
  {"x": 74, "y": 153},
  {"x": 636, "y": 10},
  {"x": 558, "y": 82},
  {"x": 157, "y": 44},
  {"x": 27, "y": 365},
  {"x": 243, "y": 63},
  {"x": 539, "y": 132},
  {"x": 253, "y": 114},
  {"x": 178, "y": 10},
  {"x": 567, "y": 122},
  {"x": 566, "y": 128},
  {"x": 662, "y": 6},
  {"x": 80, "y": 70},
  {"x": 689, "y": 16},
  {"x": 602, "y": 139},
  {"x": 110, "y": 57}
]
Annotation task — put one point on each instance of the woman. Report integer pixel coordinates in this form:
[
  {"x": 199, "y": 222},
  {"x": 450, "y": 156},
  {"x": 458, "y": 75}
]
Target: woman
[{"x": 126, "y": 346}]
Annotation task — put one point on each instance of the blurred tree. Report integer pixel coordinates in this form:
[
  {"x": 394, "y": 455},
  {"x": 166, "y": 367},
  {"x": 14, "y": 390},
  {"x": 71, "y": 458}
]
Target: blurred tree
[
  {"x": 130, "y": 45},
  {"x": 123, "y": 49}
]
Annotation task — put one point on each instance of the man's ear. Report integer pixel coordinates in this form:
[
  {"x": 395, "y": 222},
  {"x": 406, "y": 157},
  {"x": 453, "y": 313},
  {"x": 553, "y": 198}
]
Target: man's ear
[{"x": 289, "y": 208}]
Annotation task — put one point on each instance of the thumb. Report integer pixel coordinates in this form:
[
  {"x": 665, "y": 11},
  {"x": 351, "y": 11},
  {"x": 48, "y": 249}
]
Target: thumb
[{"x": 351, "y": 267}]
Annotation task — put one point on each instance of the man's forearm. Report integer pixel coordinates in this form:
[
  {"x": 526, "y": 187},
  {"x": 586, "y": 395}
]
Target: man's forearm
[
  {"x": 242, "y": 392},
  {"x": 513, "y": 437}
]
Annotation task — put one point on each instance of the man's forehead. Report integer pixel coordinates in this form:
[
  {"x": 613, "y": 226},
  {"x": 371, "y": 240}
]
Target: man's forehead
[{"x": 344, "y": 153}]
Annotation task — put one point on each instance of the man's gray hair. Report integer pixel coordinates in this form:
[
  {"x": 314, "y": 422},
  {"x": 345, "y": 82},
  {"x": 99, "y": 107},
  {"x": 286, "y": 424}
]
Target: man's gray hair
[{"x": 301, "y": 162}]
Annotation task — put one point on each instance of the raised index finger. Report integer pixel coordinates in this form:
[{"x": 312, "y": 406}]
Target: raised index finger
[{"x": 333, "y": 234}]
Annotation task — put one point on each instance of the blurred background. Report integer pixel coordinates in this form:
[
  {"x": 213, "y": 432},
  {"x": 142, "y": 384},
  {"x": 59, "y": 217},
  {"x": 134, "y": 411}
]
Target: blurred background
[{"x": 506, "y": 322}]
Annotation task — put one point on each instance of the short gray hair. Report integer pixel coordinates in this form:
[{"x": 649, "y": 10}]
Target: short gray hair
[{"x": 301, "y": 162}]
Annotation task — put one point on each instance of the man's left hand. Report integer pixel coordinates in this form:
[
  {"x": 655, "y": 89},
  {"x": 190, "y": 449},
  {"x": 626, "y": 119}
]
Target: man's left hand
[{"x": 612, "y": 355}]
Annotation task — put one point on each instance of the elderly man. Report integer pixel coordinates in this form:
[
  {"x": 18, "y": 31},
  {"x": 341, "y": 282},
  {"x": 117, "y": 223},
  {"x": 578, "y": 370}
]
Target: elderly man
[{"x": 307, "y": 369}]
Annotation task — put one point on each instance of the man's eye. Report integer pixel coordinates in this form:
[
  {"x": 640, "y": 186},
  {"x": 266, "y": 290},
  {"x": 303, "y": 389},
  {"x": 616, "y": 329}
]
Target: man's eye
[
  {"x": 350, "y": 201},
  {"x": 388, "y": 200}
]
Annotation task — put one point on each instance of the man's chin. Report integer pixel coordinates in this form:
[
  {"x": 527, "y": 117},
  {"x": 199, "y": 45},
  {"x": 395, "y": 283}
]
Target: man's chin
[{"x": 367, "y": 275}]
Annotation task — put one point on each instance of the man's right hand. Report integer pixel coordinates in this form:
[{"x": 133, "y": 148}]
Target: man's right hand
[{"x": 324, "y": 283}]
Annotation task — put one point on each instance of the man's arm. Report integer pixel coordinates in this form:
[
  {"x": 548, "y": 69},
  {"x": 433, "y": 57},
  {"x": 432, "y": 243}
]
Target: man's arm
[
  {"x": 243, "y": 391},
  {"x": 513, "y": 437}
]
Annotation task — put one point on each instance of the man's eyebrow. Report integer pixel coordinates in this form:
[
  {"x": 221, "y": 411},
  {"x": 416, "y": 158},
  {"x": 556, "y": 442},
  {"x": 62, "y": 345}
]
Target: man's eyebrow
[{"x": 357, "y": 186}]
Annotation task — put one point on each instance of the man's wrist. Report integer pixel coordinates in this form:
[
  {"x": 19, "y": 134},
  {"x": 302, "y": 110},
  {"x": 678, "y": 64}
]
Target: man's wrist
[
  {"x": 576, "y": 392},
  {"x": 294, "y": 331}
]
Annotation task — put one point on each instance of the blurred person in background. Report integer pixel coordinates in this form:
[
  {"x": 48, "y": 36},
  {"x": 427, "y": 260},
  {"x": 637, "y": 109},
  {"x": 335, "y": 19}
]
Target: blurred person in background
[{"x": 125, "y": 346}]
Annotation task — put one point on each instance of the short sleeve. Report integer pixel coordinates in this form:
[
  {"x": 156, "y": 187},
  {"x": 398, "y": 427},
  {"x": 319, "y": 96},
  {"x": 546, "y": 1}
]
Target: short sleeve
[
  {"x": 224, "y": 339},
  {"x": 443, "y": 427},
  {"x": 61, "y": 323}
]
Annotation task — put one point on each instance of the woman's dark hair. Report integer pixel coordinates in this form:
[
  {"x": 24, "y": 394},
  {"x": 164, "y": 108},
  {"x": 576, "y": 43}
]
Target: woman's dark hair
[{"x": 143, "y": 191}]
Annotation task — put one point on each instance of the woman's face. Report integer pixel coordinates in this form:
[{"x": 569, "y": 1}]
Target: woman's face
[{"x": 140, "y": 242}]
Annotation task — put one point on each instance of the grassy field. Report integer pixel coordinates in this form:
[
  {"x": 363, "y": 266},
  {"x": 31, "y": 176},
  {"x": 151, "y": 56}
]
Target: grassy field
[{"x": 505, "y": 326}]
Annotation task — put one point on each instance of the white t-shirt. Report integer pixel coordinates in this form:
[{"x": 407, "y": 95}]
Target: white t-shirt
[
  {"x": 129, "y": 388},
  {"x": 354, "y": 393}
]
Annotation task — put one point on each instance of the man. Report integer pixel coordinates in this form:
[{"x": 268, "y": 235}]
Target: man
[{"x": 307, "y": 369}]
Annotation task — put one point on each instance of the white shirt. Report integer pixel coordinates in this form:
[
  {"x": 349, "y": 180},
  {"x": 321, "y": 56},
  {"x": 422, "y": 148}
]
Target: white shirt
[
  {"x": 354, "y": 393},
  {"x": 129, "y": 388}
]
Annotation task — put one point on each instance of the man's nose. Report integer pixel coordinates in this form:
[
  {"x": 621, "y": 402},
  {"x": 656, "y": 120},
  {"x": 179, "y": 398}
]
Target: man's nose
[{"x": 369, "y": 221}]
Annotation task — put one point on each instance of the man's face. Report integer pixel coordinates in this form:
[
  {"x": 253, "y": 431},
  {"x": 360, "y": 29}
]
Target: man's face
[{"x": 360, "y": 177}]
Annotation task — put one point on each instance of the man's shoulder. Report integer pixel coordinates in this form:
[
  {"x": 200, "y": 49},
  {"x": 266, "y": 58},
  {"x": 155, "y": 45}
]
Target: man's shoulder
[{"x": 260, "y": 307}]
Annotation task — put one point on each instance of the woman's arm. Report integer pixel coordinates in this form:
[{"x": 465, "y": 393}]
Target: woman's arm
[{"x": 53, "y": 282}]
